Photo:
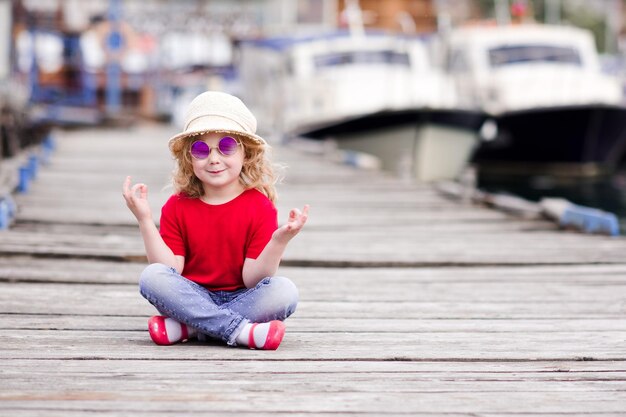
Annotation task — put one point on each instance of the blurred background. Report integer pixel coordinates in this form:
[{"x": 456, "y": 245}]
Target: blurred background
[{"x": 523, "y": 97}]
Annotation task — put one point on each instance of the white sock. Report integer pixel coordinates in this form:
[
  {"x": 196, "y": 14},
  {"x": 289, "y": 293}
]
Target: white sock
[
  {"x": 174, "y": 330},
  {"x": 259, "y": 334},
  {"x": 191, "y": 332}
]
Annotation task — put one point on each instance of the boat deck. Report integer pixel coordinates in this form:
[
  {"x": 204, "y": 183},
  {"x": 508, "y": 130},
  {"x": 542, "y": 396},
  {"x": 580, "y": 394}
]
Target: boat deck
[{"x": 411, "y": 304}]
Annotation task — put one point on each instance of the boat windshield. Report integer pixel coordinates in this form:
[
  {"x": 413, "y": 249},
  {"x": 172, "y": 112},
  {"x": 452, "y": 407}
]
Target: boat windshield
[
  {"x": 522, "y": 54},
  {"x": 334, "y": 59}
]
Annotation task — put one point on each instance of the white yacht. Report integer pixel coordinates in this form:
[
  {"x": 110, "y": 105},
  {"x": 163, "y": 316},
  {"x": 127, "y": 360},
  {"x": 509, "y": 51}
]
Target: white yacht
[
  {"x": 548, "y": 105},
  {"x": 373, "y": 93},
  {"x": 303, "y": 82}
]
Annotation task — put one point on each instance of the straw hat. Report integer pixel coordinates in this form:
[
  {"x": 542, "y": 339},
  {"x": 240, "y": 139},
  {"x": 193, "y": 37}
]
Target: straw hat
[{"x": 213, "y": 111}]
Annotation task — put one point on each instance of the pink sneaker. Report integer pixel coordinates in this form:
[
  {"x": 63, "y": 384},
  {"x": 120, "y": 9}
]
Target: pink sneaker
[
  {"x": 274, "y": 336},
  {"x": 166, "y": 331}
]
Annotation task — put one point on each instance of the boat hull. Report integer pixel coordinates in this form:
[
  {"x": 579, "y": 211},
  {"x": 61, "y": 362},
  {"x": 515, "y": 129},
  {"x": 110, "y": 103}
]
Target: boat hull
[
  {"x": 421, "y": 144},
  {"x": 587, "y": 140},
  {"x": 463, "y": 119}
]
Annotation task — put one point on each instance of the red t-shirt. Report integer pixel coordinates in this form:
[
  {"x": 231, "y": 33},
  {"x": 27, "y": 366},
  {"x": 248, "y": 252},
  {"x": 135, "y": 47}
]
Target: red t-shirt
[{"x": 216, "y": 239}]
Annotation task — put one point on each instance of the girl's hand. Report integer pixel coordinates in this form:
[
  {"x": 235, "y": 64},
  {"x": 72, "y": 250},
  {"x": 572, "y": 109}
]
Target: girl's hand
[
  {"x": 137, "y": 200},
  {"x": 296, "y": 221}
]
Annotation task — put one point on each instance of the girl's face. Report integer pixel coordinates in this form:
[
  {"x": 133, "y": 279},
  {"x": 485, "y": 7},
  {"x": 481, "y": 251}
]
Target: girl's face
[{"x": 217, "y": 172}]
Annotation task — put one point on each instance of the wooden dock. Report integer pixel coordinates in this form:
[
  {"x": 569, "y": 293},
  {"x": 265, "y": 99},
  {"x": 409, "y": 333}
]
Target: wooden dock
[{"x": 411, "y": 304}]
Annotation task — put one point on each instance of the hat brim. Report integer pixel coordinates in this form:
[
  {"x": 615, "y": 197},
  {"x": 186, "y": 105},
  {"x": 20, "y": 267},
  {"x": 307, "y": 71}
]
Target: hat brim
[{"x": 255, "y": 138}]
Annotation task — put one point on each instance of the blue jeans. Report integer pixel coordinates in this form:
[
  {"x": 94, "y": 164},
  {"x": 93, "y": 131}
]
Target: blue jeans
[{"x": 217, "y": 314}]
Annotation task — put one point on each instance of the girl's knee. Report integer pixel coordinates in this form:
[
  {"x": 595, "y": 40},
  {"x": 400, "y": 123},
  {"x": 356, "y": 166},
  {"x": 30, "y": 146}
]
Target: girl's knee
[
  {"x": 153, "y": 277},
  {"x": 287, "y": 292}
]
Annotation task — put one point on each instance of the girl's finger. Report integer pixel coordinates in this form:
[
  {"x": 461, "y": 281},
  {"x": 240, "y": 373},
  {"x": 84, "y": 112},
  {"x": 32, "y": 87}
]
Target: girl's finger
[
  {"x": 305, "y": 214},
  {"x": 126, "y": 185},
  {"x": 133, "y": 191}
]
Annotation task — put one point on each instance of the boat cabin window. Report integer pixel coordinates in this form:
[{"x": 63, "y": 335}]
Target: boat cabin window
[
  {"x": 521, "y": 54},
  {"x": 361, "y": 57}
]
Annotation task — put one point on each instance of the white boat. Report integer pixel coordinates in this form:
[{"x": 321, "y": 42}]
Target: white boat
[
  {"x": 373, "y": 93},
  {"x": 549, "y": 106},
  {"x": 300, "y": 83}
]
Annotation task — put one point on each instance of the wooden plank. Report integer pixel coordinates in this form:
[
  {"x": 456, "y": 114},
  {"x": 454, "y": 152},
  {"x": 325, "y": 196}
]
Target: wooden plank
[
  {"x": 468, "y": 346},
  {"x": 131, "y": 303},
  {"x": 303, "y": 324},
  {"x": 90, "y": 383},
  {"x": 377, "y": 248},
  {"x": 33, "y": 389},
  {"x": 108, "y": 194},
  {"x": 379, "y": 209},
  {"x": 64, "y": 412},
  {"x": 118, "y": 214},
  {"x": 315, "y": 281},
  {"x": 248, "y": 401},
  {"x": 414, "y": 292},
  {"x": 29, "y": 269},
  {"x": 518, "y": 370},
  {"x": 328, "y": 248},
  {"x": 494, "y": 293},
  {"x": 34, "y": 378},
  {"x": 124, "y": 299}
]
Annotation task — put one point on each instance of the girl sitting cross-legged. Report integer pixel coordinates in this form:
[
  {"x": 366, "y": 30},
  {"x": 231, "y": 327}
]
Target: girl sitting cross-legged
[{"x": 214, "y": 259}]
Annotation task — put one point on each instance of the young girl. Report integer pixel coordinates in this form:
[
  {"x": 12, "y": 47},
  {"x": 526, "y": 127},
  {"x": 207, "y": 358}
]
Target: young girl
[{"x": 213, "y": 261}]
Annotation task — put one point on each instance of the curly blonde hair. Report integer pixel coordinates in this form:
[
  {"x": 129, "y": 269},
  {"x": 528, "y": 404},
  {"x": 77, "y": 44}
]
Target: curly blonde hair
[{"x": 257, "y": 171}]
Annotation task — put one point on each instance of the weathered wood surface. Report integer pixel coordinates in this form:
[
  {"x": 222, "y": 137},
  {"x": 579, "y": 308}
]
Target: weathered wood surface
[{"x": 411, "y": 304}]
